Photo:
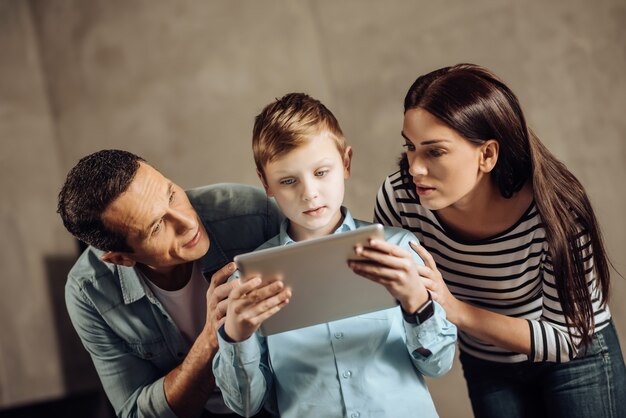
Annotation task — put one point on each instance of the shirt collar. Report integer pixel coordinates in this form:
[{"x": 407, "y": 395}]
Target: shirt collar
[{"x": 347, "y": 225}]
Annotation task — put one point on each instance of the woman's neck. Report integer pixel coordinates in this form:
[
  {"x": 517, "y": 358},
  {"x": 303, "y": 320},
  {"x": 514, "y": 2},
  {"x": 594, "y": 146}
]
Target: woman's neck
[{"x": 486, "y": 212}]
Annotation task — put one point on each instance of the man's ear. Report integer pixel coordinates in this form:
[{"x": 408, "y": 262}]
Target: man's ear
[
  {"x": 262, "y": 178},
  {"x": 347, "y": 162},
  {"x": 488, "y": 155},
  {"x": 119, "y": 258}
]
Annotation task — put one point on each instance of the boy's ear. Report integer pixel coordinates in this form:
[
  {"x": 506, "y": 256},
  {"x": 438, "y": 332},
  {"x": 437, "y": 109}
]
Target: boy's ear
[
  {"x": 119, "y": 258},
  {"x": 488, "y": 155},
  {"x": 347, "y": 161},
  {"x": 262, "y": 178}
]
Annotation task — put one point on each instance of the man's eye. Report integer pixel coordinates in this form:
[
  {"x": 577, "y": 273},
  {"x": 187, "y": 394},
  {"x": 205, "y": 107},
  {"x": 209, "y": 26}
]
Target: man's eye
[
  {"x": 157, "y": 227},
  {"x": 172, "y": 196}
]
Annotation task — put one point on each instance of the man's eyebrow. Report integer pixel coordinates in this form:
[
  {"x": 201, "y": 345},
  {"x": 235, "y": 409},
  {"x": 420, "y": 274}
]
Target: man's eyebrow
[
  {"x": 427, "y": 142},
  {"x": 148, "y": 230}
]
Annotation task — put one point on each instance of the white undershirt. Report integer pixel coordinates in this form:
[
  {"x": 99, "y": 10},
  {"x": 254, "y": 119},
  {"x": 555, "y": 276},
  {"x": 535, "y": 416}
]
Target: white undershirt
[{"x": 187, "y": 307}]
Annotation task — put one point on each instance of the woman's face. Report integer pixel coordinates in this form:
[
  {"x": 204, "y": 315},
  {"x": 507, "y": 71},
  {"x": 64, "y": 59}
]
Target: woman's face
[{"x": 446, "y": 168}]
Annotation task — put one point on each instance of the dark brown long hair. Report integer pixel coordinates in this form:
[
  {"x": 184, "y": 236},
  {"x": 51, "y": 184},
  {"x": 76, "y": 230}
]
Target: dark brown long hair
[{"x": 474, "y": 102}]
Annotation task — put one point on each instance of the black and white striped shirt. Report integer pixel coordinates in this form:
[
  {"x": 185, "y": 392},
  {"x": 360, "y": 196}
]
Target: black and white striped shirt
[{"x": 509, "y": 273}]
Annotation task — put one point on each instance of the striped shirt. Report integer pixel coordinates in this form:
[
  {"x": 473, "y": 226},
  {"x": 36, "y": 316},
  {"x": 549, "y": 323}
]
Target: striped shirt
[{"x": 509, "y": 273}]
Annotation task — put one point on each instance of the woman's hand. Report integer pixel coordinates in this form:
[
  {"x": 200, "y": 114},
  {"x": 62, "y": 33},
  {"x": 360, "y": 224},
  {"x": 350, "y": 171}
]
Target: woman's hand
[
  {"x": 250, "y": 303},
  {"x": 394, "y": 268},
  {"x": 434, "y": 282}
]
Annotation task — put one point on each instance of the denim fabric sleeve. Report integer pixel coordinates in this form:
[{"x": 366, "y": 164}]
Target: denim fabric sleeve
[
  {"x": 133, "y": 386},
  {"x": 432, "y": 343},
  {"x": 242, "y": 373}
]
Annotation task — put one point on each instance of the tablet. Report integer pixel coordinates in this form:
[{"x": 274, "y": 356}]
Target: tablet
[{"x": 323, "y": 287}]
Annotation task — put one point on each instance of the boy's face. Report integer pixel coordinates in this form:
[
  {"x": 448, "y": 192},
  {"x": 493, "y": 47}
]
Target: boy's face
[{"x": 308, "y": 184}]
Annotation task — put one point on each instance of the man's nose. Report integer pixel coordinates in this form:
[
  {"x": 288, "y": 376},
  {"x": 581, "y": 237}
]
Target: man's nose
[{"x": 183, "y": 220}]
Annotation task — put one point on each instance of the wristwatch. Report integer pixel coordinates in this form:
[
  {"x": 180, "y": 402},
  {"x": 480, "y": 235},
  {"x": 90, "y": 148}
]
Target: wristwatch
[{"x": 426, "y": 311}]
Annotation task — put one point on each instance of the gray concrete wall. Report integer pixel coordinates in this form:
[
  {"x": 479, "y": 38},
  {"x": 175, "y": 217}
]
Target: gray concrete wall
[{"x": 179, "y": 83}]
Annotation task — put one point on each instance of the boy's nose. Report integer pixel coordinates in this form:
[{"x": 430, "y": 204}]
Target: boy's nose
[{"x": 309, "y": 192}]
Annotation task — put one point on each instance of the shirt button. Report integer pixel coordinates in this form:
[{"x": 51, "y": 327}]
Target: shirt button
[
  {"x": 355, "y": 415},
  {"x": 347, "y": 374},
  {"x": 338, "y": 335}
]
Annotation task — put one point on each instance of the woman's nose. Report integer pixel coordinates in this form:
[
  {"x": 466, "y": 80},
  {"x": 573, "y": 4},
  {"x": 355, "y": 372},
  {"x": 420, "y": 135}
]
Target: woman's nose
[{"x": 417, "y": 168}]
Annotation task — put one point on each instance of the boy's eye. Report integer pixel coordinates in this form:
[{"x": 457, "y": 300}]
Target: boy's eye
[
  {"x": 287, "y": 182},
  {"x": 321, "y": 173},
  {"x": 409, "y": 146}
]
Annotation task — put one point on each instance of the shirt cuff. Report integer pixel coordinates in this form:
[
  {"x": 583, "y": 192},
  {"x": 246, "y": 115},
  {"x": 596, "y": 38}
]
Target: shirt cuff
[
  {"x": 243, "y": 352},
  {"x": 428, "y": 333}
]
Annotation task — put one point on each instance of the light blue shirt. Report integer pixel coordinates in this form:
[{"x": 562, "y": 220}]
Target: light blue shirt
[{"x": 363, "y": 366}]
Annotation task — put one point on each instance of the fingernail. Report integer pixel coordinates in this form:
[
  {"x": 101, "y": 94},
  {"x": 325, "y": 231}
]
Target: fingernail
[{"x": 231, "y": 267}]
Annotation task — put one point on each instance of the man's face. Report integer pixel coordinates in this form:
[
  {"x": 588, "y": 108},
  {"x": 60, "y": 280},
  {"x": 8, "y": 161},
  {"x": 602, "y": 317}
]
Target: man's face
[
  {"x": 308, "y": 184},
  {"x": 158, "y": 221}
]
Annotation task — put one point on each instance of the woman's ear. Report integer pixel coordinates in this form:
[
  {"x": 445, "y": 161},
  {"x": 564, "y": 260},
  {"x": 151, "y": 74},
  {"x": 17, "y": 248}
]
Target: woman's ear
[
  {"x": 347, "y": 162},
  {"x": 262, "y": 178},
  {"x": 488, "y": 155},
  {"x": 119, "y": 258}
]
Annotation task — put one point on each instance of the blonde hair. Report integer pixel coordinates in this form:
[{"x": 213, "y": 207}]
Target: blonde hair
[{"x": 287, "y": 123}]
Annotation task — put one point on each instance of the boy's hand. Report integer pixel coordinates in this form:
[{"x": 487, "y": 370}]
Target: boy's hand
[
  {"x": 394, "y": 268},
  {"x": 249, "y": 304}
]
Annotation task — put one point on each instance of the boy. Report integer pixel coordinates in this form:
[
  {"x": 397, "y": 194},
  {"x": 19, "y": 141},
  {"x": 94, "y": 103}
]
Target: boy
[{"x": 365, "y": 366}]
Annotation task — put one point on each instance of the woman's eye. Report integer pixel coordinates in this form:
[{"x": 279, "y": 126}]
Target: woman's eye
[
  {"x": 409, "y": 147},
  {"x": 435, "y": 152}
]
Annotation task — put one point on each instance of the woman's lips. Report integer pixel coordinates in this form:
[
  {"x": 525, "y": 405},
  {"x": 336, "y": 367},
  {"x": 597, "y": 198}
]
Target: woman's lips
[{"x": 423, "y": 190}]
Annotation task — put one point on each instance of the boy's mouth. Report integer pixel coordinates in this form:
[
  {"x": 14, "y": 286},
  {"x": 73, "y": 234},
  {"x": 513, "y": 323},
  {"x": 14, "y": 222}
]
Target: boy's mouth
[{"x": 315, "y": 211}]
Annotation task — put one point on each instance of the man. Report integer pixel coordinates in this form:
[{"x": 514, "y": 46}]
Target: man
[{"x": 137, "y": 295}]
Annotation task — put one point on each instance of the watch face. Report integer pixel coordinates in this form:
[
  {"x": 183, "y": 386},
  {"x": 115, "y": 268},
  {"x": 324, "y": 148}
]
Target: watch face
[{"x": 425, "y": 312}]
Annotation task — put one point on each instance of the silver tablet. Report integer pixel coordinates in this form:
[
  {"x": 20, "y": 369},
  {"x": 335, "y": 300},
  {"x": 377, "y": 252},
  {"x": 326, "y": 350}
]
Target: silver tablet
[{"x": 323, "y": 287}]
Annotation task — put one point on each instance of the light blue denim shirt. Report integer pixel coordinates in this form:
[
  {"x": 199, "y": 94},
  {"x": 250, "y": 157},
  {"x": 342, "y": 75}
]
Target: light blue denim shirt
[
  {"x": 131, "y": 338},
  {"x": 363, "y": 366}
]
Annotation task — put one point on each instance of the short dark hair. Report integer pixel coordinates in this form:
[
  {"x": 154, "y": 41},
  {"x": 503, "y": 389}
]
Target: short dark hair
[{"x": 90, "y": 187}]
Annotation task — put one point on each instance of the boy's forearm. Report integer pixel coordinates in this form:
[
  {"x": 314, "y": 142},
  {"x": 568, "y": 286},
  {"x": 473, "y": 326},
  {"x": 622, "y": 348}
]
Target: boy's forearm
[{"x": 189, "y": 386}]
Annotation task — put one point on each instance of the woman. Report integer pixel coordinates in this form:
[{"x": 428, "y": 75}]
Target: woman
[{"x": 512, "y": 249}]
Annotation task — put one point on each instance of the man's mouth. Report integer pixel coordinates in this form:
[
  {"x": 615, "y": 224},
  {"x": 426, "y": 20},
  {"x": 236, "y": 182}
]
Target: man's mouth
[{"x": 194, "y": 240}]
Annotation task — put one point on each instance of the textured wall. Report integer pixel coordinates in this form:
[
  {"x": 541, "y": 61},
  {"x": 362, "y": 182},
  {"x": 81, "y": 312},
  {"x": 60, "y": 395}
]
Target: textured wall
[{"x": 179, "y": 83}]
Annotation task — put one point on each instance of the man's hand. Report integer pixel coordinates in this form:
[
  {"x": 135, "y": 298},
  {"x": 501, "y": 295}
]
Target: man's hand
[
  {"x": 217, "y": 302},
  {"x": 189, "y": 386},
  {"x": 250, "y": 304}
]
